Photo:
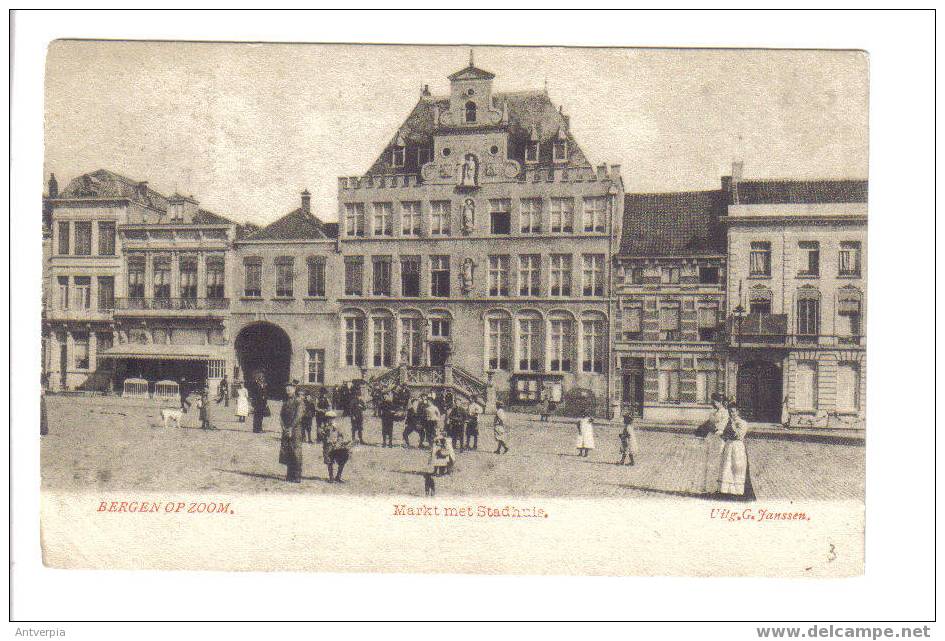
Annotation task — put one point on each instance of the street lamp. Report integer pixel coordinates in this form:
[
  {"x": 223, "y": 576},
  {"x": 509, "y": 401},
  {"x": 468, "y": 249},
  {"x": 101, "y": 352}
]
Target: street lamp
[{"x": 739, "y": 313}]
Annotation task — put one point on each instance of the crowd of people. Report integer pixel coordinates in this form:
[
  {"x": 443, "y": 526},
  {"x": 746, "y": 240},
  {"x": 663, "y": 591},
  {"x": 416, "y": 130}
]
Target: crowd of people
[{"x": 445, "y": 425}]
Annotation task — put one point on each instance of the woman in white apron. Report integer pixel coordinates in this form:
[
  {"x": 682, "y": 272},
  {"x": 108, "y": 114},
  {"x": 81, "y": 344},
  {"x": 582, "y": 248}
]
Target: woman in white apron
[
  {"x": 734, "y": 480},
  {"x": 242, "y": 403},
  {"x": 585, "y": 439},
  {"x": 712, "y": 433}
]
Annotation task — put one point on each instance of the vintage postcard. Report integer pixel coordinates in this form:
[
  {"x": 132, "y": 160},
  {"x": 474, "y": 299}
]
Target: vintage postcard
[{"x": 358, "y": 308}]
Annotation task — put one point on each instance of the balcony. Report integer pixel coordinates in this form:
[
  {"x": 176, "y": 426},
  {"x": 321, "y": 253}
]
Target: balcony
[
  {"x": 759, "y": 330},
  {"x": 174, "y": 306}
]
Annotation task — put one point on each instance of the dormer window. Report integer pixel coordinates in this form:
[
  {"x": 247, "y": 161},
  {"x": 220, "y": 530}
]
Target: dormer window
[
  {"x": 531, "y": 151},
  {"x": 470, "y": 111},
  {"x": 398, "y": 156},
  {"x": 560, "y": 150}
]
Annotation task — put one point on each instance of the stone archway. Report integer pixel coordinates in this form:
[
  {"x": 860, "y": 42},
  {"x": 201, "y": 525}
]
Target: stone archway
[{"x": 267, "y": 348}]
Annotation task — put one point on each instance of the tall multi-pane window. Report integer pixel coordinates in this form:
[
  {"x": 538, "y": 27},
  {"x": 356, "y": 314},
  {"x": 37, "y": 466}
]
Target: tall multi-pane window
[
  {"x": 381, "y": 273},
  {"x": 106, "y": 239},
  {"x": 440, "y": 276},
  {"x": 162, "y": 278},
  {"x": 383, "y": 219},
  {"x": 561, "y": 344},
  {"x": 633, "y": 321},
  {"x": 383, "y": 341},
  {"x": 440, "y": 327},
  {"x": 136, "y": 277},
  {"x": 530, "y": 215},
  {"x": 315, "y": 366},
  {"x": 531, "y": 151},
  {"x": 849, "y": 327},
  {"x": 410, "y": 276},
  {"x": 809, "y": 258},
  {"x": 252, "y": 285},
  {"x": 530, "y": 352},
  {"x": 808, "y": 317},
  {"x": 849, "y": 258},
  {"x": 500, "y": 343},
  {"x": 354, "y": 341},
  {"x": 80, "y": 349},
  {"x": 106, "y": 293},
  {"x": 759, "y": 260},
  {"x": 63, "y": 237},
  {"x": 593, "y": 275},
  {"x": 805, "y": 385},
  {"x": 354, "y": 275},
  {"x": 410, "y": 218},
  {"x": 354, "y": 219},
  {"x": 595, "y": 213},
  {"x": 285, "y": 277},
  {"x": 398, "y": 155},
  {"x": 529, "y": 274},
  {"x": 848, "y": 386},
  {"x": 707, "y": 380},
  {"x": 560, "y": 275},
  {"x": 559, "y": 150},
  {"x": 63, "y": 282},
  {"x": 708, "y": 322},
  {"x": 669, "y": 321},
  {"x": 83, "y": 292},
  {"x": 316, "y": 276},
  {"x": 188, "y": 277},
  {"x": 668, "y": 380},
  {"x": 216, "y": 277},
  {"x": 499, "y": 275},
  {"x": 440, "y": 215},
  {"x": 500, "y": 216},
  {"x": 83, "y": 238},
  {"x": 669, "y": 275},
  {"x": 412, "y": 340},
  {"x": 595, "y": 353},
  {"x": 562, "y": 215}
]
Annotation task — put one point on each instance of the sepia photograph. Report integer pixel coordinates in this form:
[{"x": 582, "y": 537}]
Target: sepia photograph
[{"x": 391, "y": 310}]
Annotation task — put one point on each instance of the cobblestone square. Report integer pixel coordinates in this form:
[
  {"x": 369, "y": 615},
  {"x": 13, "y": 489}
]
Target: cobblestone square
[{"x": 113, "y": 446}]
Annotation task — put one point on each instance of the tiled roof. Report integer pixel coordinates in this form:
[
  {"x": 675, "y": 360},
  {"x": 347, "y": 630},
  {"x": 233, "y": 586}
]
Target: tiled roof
[
  {"x": 528, "y": 111},
  {"x": 107, "y": 184},
  {"x": 778, "y": 192},
  {"x": 472, "y": 73},
  {"x": 296, "y": 225},
  {"x": 673, "y": 224}
]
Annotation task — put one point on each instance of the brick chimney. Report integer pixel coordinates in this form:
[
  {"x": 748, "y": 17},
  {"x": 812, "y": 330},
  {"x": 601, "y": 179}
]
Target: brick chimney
[{"x": 306, "y": 202}]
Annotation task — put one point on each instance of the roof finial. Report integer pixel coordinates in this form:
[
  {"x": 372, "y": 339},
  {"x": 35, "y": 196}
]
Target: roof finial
[
  {"x": 546, "y": 84},
  {"x": 471, "y": 63}
]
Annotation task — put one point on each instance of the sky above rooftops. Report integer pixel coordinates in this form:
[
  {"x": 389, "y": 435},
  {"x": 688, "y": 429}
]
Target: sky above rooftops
[{"x": 246, "y": 127}]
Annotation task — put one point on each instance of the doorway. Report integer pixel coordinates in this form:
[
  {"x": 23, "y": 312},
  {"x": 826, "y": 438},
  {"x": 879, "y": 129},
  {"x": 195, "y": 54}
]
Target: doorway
[
  {"x": 439, "y": 353},
  {"x": 264, "y": 347},
  {"x": 758, "y": 391},
  {"x": 633, "y": 385}
]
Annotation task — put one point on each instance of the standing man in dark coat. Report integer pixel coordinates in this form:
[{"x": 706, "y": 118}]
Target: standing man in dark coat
[
  {"x": 223, "y": 392},
  {"x": 259, "y": 399},
  {"x": 389, "y": 414},
  {"x": 336, "y": 450},
  {"x": 290, "y": 453},
  {"x": 356, "y": 409}
]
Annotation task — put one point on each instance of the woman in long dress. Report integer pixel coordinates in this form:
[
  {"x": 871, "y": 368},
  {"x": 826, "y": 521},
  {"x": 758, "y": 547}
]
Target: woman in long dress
[
  {"x": 500, "y": 430},
  {"x": 734, "y": 480},
  {"x": 712, "y": 433},
  {"x": 585, "y": 439},
  {"x": 242, "y": 403}
]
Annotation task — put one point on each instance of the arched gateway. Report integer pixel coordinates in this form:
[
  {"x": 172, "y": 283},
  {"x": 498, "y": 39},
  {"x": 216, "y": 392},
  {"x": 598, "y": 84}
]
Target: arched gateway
[
  {"x": 759, "y": 391},
  {"x": 265, "y": 347}
]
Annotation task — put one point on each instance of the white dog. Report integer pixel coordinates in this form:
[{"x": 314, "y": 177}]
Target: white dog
[{"x": 169, "y": 414}]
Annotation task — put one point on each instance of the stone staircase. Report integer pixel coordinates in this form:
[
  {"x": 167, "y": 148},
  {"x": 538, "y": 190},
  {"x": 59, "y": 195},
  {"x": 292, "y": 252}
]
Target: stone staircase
[{"x": 420, "y": 379}]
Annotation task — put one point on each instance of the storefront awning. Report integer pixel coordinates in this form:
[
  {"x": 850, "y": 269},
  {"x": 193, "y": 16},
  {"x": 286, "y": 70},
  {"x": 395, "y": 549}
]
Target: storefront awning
[{"x": 165, "y": 352}]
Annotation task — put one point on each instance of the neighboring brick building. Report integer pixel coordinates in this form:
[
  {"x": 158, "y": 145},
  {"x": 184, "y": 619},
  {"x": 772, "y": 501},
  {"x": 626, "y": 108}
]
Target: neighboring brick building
[
  {"x": 797, "y": 289},
  {"x": 140, "y": 285},
  {"x": 671, "y": 298},
  {"x": 481, "y": 236},
  {"x": 285, "y": 307}
]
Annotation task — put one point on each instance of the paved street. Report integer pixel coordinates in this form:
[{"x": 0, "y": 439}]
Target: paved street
[{"x": 110, "y": 445}]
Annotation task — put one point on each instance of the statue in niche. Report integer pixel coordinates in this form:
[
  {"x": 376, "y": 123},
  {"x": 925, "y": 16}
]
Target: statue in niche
[
  {"x": 470, "y": 172},
  {"x": 469, "y": 216},
  {"x": 466, "y": 276}
]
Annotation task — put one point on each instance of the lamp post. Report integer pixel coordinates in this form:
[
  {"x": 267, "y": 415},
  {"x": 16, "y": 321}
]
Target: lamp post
[{"x": 739, "y": 313}]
